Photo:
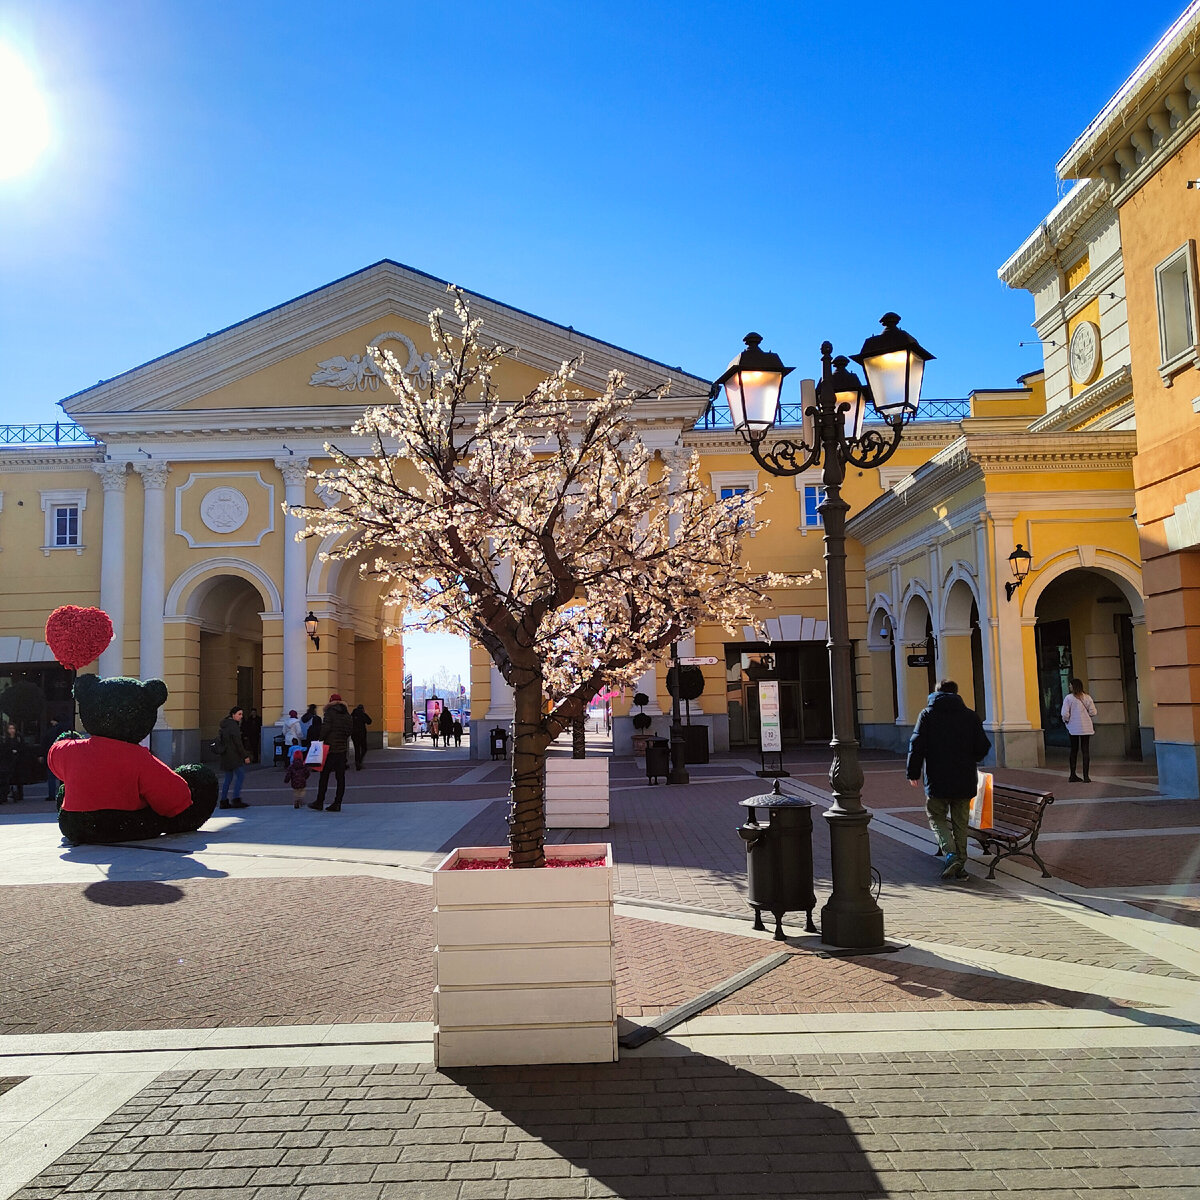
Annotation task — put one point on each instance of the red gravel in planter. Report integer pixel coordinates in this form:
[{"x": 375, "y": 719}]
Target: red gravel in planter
[{"x": 503, "y": 864}]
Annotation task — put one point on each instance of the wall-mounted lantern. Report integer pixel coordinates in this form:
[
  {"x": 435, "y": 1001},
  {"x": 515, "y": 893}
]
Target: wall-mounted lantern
[
  {"x": 1020, "y": 560},
  {"x": 310, "y": 627}
]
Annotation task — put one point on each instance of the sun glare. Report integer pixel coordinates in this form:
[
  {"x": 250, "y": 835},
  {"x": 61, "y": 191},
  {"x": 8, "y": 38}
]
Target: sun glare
[{"x": 24, "y": 120}]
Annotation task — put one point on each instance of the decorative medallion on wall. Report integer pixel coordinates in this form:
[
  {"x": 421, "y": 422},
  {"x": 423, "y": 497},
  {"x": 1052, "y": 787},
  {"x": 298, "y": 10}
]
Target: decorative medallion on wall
[
  {"x": 359, "y": 373},
  {"x": 224, "y": 510},
  {"x": 220, "y": 509},
  {"x": 1085, "y": 352}
]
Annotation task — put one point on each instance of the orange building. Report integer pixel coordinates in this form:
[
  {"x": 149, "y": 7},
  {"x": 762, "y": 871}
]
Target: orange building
[{"x": 1144, "y": 145}]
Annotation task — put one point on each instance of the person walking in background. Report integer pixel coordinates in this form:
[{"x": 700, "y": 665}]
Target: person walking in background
[
  {"x": 948, "y": 743},
  {"x": 292, "y": 730},
  {"x": 10, "y": 763},
  {"x": 458, "y": 732},
  {"x": 252, "y": 734},
  {"x": 232, "y": 751},
  {"x": 1079, "y": 715},
  {"x": 53, "y": 731},
  {"x": 336, "y": 729},
  {"x": 446, "y": 726},
  {"x": 310, "y": 723},
  {"x": 359, "y": 722}
]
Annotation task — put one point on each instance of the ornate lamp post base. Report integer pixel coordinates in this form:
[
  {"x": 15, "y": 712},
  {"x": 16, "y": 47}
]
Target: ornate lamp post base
[{"x": 851, "y": 918}]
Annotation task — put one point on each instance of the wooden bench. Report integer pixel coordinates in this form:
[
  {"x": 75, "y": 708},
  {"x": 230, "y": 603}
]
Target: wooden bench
[
  {"x": 1016, "y": 819},
  {"x": 576, "y": 793}
]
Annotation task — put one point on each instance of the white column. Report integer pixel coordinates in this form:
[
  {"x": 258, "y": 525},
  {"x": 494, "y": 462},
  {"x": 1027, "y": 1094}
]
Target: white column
[
  {"x": 154, "y": 553},
  {"x": 988, "y": 623},
  {"x": 113, "y": 476},
  {"x": 295, "y": 589},
  {"x": 903, "y": 716}
]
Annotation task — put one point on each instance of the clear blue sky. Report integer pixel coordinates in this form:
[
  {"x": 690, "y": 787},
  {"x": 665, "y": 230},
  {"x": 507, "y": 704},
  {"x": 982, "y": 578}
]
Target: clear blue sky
[{"x": 665, "y": 176}]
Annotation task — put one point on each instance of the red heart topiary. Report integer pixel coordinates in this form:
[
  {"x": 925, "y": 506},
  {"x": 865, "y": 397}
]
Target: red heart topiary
[{"x": 78, "y": 636}]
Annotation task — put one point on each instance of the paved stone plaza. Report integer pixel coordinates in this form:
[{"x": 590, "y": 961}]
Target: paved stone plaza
[{"x": 247, "y": 1010}]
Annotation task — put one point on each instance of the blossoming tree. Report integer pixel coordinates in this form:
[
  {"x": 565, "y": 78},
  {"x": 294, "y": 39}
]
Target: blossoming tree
[{"x": 540, "y": 527}]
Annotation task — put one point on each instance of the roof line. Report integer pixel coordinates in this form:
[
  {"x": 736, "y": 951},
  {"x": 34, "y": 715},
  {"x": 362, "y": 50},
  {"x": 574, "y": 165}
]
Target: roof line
[{"x": 362, "y": 271}]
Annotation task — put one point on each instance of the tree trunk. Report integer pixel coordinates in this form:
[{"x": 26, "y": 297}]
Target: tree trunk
[
  {"x": 579, "y": 737},
  {"x": 527, "y": 808}
]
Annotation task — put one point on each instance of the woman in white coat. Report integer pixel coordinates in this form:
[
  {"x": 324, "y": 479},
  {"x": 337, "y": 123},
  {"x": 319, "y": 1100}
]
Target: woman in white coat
[
  {"x": 293, "y": 732},
  {"x": 1078, "y": 714}
]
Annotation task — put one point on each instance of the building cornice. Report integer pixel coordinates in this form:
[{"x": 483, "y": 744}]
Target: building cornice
[
  {"x": 1090, "y": 405},
  {"x": 1055, "y": 234},
  {"x": 1151, "y": 115},
  {"x": 974, "y": 456},
  {"x": 384, "y": 290},
  {"x": 40, "y": 458}
]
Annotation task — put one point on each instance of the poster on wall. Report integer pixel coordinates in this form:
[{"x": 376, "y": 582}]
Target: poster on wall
[{"x": 768, "y": 711}]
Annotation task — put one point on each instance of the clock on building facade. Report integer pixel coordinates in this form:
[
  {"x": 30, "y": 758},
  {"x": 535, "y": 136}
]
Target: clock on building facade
[{"x": 1085, "y": 352}]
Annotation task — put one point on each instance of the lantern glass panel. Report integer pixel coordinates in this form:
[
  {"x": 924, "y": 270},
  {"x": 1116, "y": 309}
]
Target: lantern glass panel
[
  {"x": 856, "y": 408},
  {"x": 753, "y": 398},
  {"x": 895, "y": 379}
]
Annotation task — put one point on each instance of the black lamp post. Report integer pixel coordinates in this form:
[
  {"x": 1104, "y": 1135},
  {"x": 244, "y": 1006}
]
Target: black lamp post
[{"x": 832, "y": 435}]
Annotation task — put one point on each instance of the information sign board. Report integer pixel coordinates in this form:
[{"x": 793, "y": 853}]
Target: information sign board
[{"x": 770, "y": 733}]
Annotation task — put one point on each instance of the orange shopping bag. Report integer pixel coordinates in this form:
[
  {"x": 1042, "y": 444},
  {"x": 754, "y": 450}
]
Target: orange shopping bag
[
  {"x": 318, "y": 752},
  {"x": 981, "y": 806}
]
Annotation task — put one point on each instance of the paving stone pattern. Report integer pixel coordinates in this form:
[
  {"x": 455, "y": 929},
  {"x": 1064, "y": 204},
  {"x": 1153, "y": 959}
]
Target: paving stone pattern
[
  {"x": 1052, "y": 1125},
  {"x": 8, "y": 1082}
]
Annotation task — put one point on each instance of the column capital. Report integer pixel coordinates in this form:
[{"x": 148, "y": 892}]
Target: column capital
[
  {"x": 293, "y": 469},
  {"x": 113, "y": 475},
  {"x": 154, "y": 475}
]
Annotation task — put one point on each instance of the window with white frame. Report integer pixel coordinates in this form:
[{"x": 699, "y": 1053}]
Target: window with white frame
[
  {"x": 64, "y": 520},
  {"x": 1175, "y": 290},
  {"x": 811, "y": 496},
  {"x": 728, "y": 485}
]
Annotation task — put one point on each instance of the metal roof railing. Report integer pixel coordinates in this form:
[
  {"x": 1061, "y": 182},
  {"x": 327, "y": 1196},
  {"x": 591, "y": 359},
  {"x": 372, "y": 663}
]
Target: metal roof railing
[
  {"x": 61, "y": 433},
  {"x": 791, "y": 415}
]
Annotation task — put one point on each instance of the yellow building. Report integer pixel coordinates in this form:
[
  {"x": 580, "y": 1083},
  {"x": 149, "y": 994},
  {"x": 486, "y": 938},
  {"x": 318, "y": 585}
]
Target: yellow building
[
  {"x": 1142, "y": 149},
  {"x": 173, "y": 521}
]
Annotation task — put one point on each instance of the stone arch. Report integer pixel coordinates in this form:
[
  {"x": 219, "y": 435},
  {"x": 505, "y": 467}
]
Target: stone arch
[
  {"x": 909, "y": 613},
  {"x": 881, "y": 623},
  {"x": 1117, "y": 568},
  {"x": 190, "y": 588},
  {"x": 959, "y": 590}
]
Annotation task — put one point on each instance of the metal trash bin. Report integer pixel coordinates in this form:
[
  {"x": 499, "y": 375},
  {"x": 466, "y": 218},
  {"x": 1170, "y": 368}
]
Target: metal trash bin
[
  {"x": 499, "y": 742},
  {"x": 779, "y": 859},
  {"x": 278, "y": 753},
  {"x": 658, "y": 759}
]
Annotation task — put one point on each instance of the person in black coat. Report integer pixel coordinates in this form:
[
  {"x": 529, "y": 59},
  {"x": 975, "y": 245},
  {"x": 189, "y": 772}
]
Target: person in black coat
[
  {"x": 446, "y": 726},
  {"x": 359, "y": 722},
  {"x": 948, "y": 742}
]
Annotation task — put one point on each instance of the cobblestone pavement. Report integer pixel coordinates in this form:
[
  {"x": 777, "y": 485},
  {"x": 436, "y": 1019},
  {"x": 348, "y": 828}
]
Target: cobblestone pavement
[
  {"x": 1054, "y": 1125},
  {"x": 1064, "y": 1012}
]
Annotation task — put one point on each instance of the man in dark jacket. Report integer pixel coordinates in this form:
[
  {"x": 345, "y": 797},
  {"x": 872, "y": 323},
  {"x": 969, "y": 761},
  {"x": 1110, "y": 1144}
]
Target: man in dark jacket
[
  {"x": 949, "y": 743},
  {"x": 359, "y": 721},
  {"x": 336, "y": 729}
]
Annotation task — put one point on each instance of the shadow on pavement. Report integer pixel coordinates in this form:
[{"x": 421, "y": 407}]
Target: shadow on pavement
[
  {"x": 123, "y": 894},
  {"x": 663, "y": 1127},
  {"x": 144, "y": 863}
]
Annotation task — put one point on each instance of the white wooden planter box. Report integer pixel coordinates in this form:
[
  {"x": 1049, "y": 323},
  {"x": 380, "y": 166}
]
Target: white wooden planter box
[
  {"x": 577, "y": 793},
  {"x": 524, "y": 965}
]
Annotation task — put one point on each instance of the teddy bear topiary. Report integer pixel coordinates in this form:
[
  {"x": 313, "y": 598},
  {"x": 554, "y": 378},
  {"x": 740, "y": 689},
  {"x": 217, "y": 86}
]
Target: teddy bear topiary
[{"x": 115, "y": 790}]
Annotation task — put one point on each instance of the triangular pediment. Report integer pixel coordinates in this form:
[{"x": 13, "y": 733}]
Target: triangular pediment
[{"x": 310, "y": 354}]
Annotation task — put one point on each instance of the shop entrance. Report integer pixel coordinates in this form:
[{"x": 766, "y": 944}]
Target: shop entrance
[{"x": 802, "y": 669}]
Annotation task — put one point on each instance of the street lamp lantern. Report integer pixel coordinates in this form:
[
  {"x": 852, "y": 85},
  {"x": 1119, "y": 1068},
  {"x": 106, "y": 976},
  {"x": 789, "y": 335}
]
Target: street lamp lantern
[
  {"x": 833, "y": 434},
  {"x": 849, "y": 397},
  {"x": 752, "y": 383},
  {"x": 895, "y": 365},
  {"x": 310, "y": 627},
  {"x": 1019, "y": 562}
]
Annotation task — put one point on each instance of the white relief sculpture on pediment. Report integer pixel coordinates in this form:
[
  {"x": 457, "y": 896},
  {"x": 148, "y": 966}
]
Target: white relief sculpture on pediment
[
  {"x": 359, "y": 373},
  {"x": 224, "y": 510}
]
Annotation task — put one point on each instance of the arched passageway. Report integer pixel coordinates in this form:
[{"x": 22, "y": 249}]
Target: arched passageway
[
  {"x": 1090, "y": 626},
  {"x": 229, "y": 633}
]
